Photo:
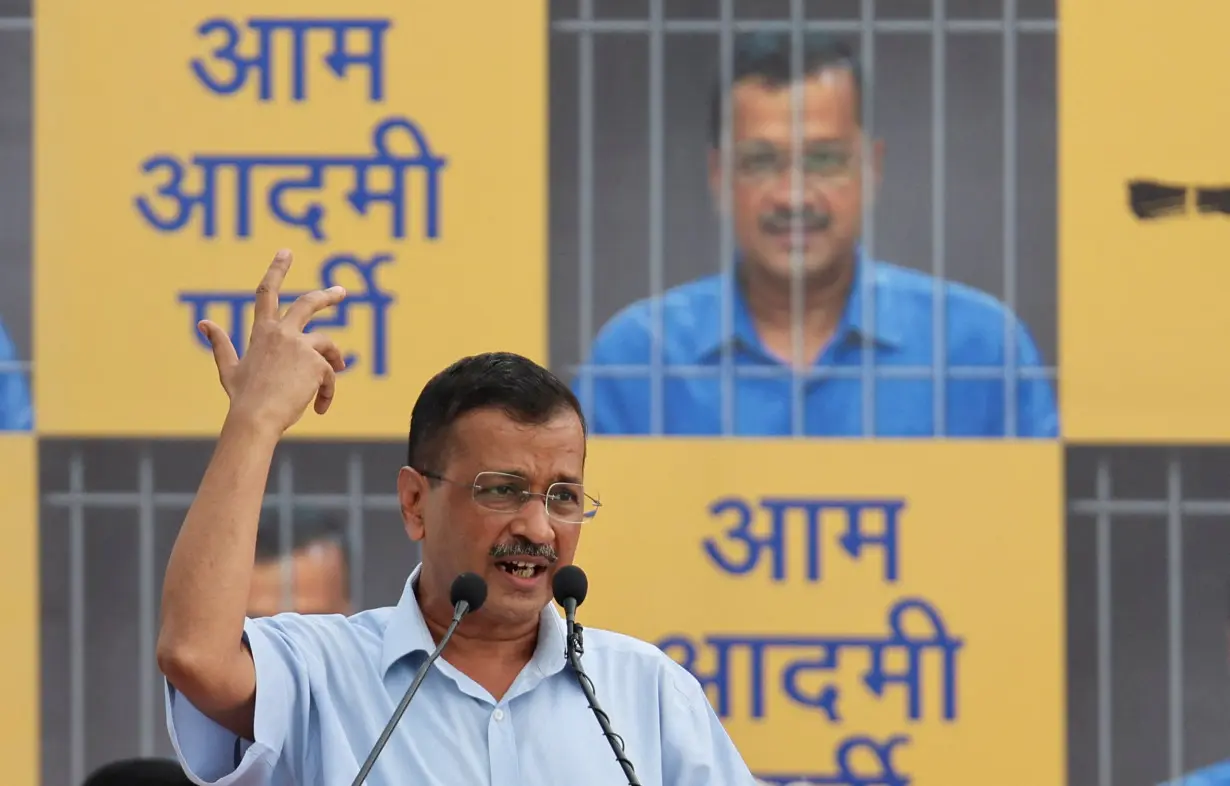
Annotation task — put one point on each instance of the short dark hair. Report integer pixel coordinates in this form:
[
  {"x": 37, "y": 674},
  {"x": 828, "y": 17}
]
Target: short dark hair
[
  {"x": 139, "y": 772},
  {"x": 524, "y": 390},
  {"x": 768, "y": 56},
  {"x": 309, "y": 526}
]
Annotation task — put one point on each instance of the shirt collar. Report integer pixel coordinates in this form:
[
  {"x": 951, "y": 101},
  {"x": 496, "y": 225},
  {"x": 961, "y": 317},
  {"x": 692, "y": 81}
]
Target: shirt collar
[
  {"x": 870, "y": 287},
  {"x": 407, "y": 633}
]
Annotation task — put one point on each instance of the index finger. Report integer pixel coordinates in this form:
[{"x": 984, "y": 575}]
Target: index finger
[
  {"x": 268, "y": 291},
  {"x": 309, "y": 305}
]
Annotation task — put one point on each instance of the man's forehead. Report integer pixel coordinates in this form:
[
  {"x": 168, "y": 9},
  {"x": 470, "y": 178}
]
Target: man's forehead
[
  {"x": 490, "y": 439},
  {"x": 829, "y": 100}
]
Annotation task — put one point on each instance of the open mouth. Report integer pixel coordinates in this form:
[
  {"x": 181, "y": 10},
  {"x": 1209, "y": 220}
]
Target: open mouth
[{"x": 522, "y": 570}]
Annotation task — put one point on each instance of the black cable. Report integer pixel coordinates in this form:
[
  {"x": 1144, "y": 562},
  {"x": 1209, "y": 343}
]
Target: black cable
[{"x": 576, "y": 648}]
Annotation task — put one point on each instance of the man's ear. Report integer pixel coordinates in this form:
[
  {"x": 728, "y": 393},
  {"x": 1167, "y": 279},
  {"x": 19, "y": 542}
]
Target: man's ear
[{"x": 412, "y": 489}]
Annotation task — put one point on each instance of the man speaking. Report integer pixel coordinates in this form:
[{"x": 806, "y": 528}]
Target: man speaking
[{"x": 494, "y": 486}]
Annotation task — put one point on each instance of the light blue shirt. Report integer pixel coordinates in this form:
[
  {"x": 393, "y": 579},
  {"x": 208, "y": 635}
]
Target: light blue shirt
[
  {"x": 327, "y": 684},
  {"x": 685, "y": 328},
  {"x": 1213, "y": 775},
  {"x": 16, "y": 412}
]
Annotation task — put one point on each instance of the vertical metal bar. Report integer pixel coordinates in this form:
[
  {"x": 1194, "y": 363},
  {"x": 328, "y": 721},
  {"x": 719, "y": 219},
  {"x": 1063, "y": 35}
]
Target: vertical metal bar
[
  {"x": 147, "y": 669},
  {"x": 867, "y": 19},
  {"x": 1104, "y": 659},
  {"x": 797, "y": 336},
  {"x": 1174, "y": 595},
  {"x": 657, "y": 217},
  {"x": 726, "y": 241},
  {"x": 286, "y": 531},
  {"x": 1010, "y": 226},
  {"x": 355, "y": 529},
  {"x": 76, "y": 617},
  {"x": 585, "y": 192},
  {"x": 939, "y": 165}
]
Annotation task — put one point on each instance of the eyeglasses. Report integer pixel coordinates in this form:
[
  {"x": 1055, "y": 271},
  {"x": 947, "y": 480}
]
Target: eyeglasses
[
  {"x": 759, "y": 162},
  {"x": 503, "y": 493}
]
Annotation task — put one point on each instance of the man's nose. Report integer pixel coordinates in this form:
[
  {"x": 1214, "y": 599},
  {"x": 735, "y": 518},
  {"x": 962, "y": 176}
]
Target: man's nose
[
  {"x": 785, "y": 194},
  {"x": 533, "y": 523}
]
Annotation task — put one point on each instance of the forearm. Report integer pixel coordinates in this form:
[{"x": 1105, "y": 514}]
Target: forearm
[{"x": 205, "y": 592}]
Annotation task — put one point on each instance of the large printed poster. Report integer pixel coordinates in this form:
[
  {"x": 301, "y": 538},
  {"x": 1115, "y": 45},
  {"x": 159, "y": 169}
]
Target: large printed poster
[
  {"x": 1144, "y": 229},
  {"x": 397, "y": 147},
  {"x": 859, "y": 613}
]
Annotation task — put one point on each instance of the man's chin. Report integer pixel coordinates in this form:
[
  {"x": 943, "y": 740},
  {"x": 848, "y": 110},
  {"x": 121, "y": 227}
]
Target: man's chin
[
  {"x": 514, "y": 609},
  {"x": 781, "y": 267}
]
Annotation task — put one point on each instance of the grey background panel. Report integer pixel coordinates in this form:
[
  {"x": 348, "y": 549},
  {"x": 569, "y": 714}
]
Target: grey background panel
[
  {"x": 16, "y": 108},
  {"x": 116, "y": 689},
  {"x": 15, "y": 8},
  {"x": 1168, "y": 674}
]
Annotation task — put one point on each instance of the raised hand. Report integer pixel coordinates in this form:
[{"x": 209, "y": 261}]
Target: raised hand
[{"x": 284, "y": 368}]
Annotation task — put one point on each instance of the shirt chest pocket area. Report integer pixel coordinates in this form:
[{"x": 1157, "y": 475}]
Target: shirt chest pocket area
[{"x": 569, "y": 748}]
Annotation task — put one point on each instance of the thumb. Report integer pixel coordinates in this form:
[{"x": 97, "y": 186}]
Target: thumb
[{"x": 224, "y": 351}]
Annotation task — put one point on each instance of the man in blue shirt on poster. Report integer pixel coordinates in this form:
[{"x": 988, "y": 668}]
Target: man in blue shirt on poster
[
  {"x": 16, "y": 412},
  {"x": 658, "y": 366}
]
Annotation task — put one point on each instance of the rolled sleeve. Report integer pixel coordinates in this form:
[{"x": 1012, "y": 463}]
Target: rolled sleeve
[{"x": 214, "y": 756}]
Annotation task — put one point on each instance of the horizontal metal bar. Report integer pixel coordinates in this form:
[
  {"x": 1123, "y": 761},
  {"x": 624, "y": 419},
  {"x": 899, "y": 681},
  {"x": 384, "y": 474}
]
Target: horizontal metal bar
[
  {"x": 823, "y": 372},
  {"x": 181, "y": 501},
  {"x": 922, "y": 26},
  {"x": 1148, "y": 507},
  {"x": 9, "y": 366},
  {"x": 168, "y": 500},
  {"x": 16, "y": 24}
]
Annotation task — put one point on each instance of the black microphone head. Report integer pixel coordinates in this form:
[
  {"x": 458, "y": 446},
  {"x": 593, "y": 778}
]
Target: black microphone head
[
  {"x": 570, "y": 582},
  {"x": 471, "y": 588}
]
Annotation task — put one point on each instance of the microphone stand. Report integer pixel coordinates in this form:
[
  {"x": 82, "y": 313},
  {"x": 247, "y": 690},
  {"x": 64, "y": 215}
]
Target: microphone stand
[
  {"x": 460, "y": 612},
  {"x": 575, "y": 649}
]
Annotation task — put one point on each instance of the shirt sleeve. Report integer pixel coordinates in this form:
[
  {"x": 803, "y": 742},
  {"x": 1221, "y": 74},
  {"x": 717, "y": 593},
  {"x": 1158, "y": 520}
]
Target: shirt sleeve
[
  {"x": 213, "y": 756},
  {"x": 1037, "y": 412},
  {"x": 1216, "y": 775},
  {"x": 614, "y": 385},
  {"x": 696, "y": 750}
]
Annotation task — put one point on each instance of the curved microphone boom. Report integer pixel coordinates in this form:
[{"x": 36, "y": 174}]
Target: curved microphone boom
[
  {"x": 468, "y": 594},
  {"x": 570, "y": 587}
]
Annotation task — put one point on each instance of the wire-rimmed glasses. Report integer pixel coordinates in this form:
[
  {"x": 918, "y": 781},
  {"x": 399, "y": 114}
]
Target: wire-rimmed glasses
[{"x": 505, "y": 493}]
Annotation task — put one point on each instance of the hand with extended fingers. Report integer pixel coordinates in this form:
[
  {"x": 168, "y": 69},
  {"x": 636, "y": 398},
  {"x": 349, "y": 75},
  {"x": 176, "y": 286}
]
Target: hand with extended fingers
[{"x": 284, "y": 368}]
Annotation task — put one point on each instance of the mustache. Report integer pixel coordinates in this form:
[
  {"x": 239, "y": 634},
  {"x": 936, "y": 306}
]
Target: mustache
[
  {"x": 785, "y": 220},
  {"x": 523, "y": 548}
]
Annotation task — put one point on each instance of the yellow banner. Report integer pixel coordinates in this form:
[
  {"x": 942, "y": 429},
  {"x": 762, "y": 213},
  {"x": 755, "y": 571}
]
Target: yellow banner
[
  {"x": 890, "y": 612},
  {"x": 397, "y": 146},
  {"x": 1145, "y": 220},
  {"x": 19, "y": 608}
]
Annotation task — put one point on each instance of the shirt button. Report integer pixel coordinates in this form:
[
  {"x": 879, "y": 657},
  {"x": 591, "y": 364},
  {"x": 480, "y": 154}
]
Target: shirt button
[{"x": 498, "y": 714}]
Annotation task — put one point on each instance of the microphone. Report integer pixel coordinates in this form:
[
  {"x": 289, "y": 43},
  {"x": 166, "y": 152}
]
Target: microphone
[
  {"x": 468, "y": 594},
  {"x": 570, "y": 587}
]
